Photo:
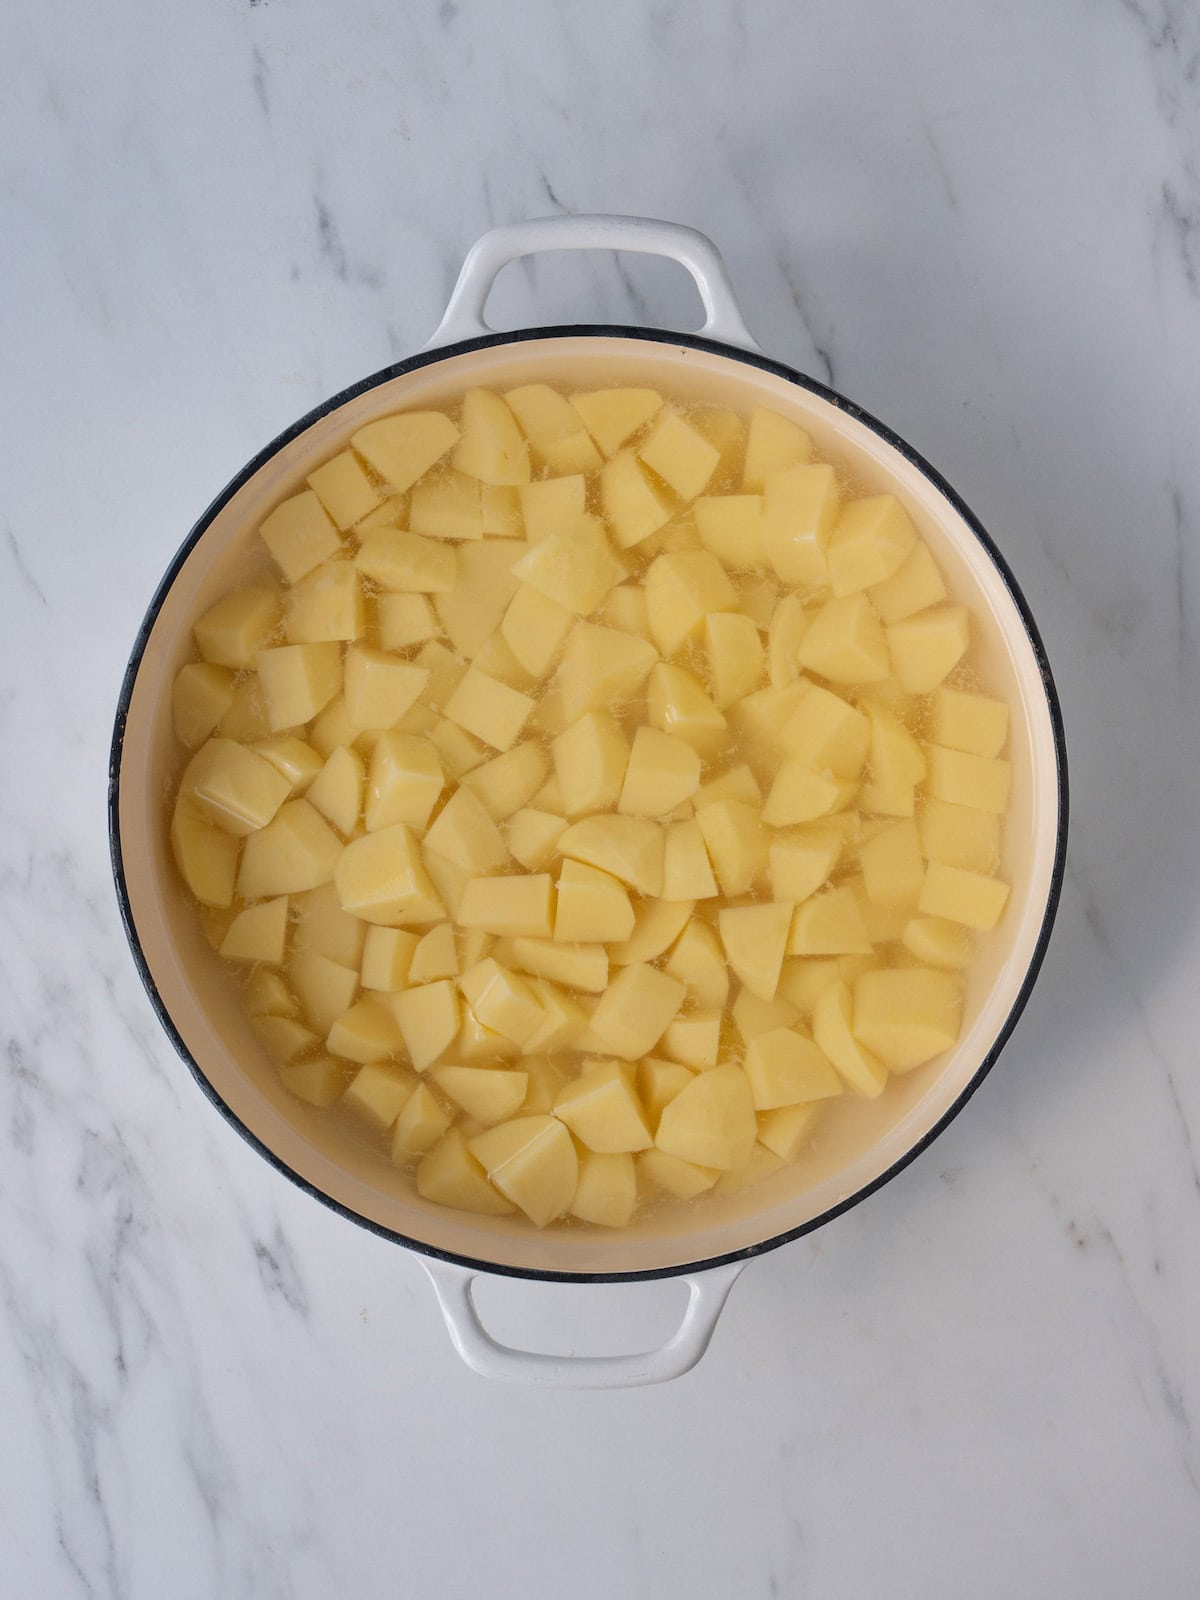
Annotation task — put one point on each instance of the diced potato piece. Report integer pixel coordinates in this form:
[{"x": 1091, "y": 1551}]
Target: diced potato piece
[
  {"x": 632, "y": 506},
  {"x": 663, "y": 770},
  {"x": 258, "y": 933},
  {"x": 337, "y": 790},
  {"x": 502, "y": 1000},
  {"x": 266, "y": 994},
  {"x": 962, "y": 896},
  {"x": 659, "y": 923},
  {"x": 319, "y": 1082},
  {"x": 381, "y": 878},
  {"x": 827, "y": 734},
  {"x": 231, "y": 632},
  {"x": 981, "y": 782},
  {"x": 892, "y": 866},
  {"x": 465, "y": 834},
  {"x": 544, "y": 415},
  {"x": 298, "y": 680},
  {"x": 404, "y": 783},
  {"x": 682, "y": 457},
  {"x": 285, "y": 1039},
  {"x": 419, "y": 1126},
  {"x": 489, "y": 1094},
  {"x": 710, "y": 1122},
  {"x": 694, "y": 1039},
  {"x": 477, "y": 1043},
  {"x": 436, "y": 956},
  {"x": 325, "y": 988},
  {"x": 759, "y": 717},
  {"x": 612, "y": 416},
  {"x": 326, "y": 605},
  {"x": 907, "y": 1015},
  {"x": 428, "y": 1017},
  {"x": 450, "y": 1176},
  {"x": 800, "y": 795},
  {"x": 520, "y": 906},
  {"x": 534, "y": 628},
  {"x": 574, "y": 567},
  {"x": 635, "y": 1009},
  {"x": 449, "y": 880},
  {"x": 297, "y": 761},
  {"x": 473, "y": 945},
  {"x": 800, "y": 508},
  {"x": 833, "y": 1030},
  {"x": 500, "y": 505},
  {"x": 579, "y": 966},
  {"x": 926, "y": 647},
  {"x": 625, "y": 608},
  {"x": 913, "y": 587},
  {"x": 659, "y": 1081},
  {"x": 379, "y": 688},
  {"x": 590, "y": 758},
  {"x": 735, "y": 783},
  {"x": 845, "y": 643},
  {"x": 785, "y": 1130},
  {"x": 752, "y": 1016},
  {"x": 602, "y": 1109},
  {"x": 564, "y": 1021},
  {"x": 606, "y": 1192},
  {"x": 320, "y": 924},
  {"x": 755, "y": 938},
  {"x": 297, "y": 850},
  {"x": 829, "y": 924},
  {"x": 246, "y": 720},
  {"x": 698, "y": 962},
  {"x": 763, "y": 1163},
  {"x": 600, "y": 667},
  {"x": 873, "y": 538},
  {"x": 736, "y": 842},
  {"x": 532, "y": 836},
  {"x": 784, "y": 1068},
  {"x": 959, "y": 836},
  {"x": 897, "y": 763},
  {"x": 508, "y": 781},
  {"x": 344, "y": 489},
  {"x": 788, "y": 625},
  {"x": 683, "y": 1180},
  {"x": 802, "y": 861},
  {"x": 937, "y": 942},
  {"x": 404, "y": 619},
  {"x": 457, "y": 751},
  {"x": 492, "y": 447},
  {"x": 687, "y": 871},
  {"x": 447, "y": 506},
  {"x": 552, "y": 505},
  {"x": 407, "y": 563},
  {"x": 805, "y": 977},
  {"x": 774, "y": 442},
  {"x": 389, "y": 513},
  {"x": 234, "y": 787},
  {"x": 200, "y": 697},
  {"x": 681, "y": 590},
  {"x": 734, "y": 655},
  {"x": 331, "y": 729},
  {"x": 975, "y": 723},
  {"x": 677, "y": 703},
  {"x": 367, "y": 1032},
  {"x": 724, "y": 429},
  {"x": 300, "y": 534},
  {"x": 402, "y": 447},
  {"x": 386, "y": 958},
  {"x": 630, "y": 848},
  {"x": 730, "y": 526},
  {"x": 757, "y": 599},
  {"x": 532, "y": 1161}
]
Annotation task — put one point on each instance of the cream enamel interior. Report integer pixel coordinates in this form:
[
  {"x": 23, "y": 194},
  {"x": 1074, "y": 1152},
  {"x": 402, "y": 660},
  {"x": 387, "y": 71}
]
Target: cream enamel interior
[{"x": 203, "y": 1005}]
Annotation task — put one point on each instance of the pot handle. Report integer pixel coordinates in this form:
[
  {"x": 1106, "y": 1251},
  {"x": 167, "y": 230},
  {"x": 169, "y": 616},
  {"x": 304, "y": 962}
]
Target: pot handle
[
  {"x": 692, "y": 250},
  {"x": 708, "y": 1291}
]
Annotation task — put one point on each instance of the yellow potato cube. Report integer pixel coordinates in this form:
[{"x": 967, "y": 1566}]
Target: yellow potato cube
[
  {"x": 681, "y": 590},
  {"x": 365, "y": 1033},
  {"x": 892, "y": 866},
  {"x": 520, "y": 906},
  {"x": 612, "y": 416},
  {"x": 258, "y": 933},
  {"x": 845, "y": 643},
  {"x": 200, "y": 697},
  {"x": 802, "y": 861},
  {"x": 477, "y": 1043},
  {"x": 926, "y": 647},
  {"x": 800, "y": 795},
  {"x": 606, "y": 1192},
  {"x": 325, "y": 605},
  {"x": 574, "y": 567},
  {"x": 532, "y": 836},
  {"x": 449, "y": 1175},
  {"x": 784, "y": 1068},
  {"x": 465, "y": 834},
  {"x": 735, "y": 783},
  {"x": 545, "y": 417},
  {"x": 590, "y": 758},
  {"x": 730, "y": 526},
  {"x": 457, "y": 751},
  {"x": 625, "y": 608},
  {"x": 489, "y": 1094},
  {"x": 873, "y": 538},
  {"x": 404, "y": 619},
  {"x": 683, "y": 1180},
  {"x": 800, "y": 508},
  {"x": 300, "y": 534},
  {"x": 774, "y": 443},
  {"x": 419, "y": 1126},
  {"x": 762, "y": 1163},
  {"x": 407, "y": 562},
  {"x": 389, "y": 513},
  {"x": 265, "y": 994},
  {"x": 344, "y": 489},
  {"x": 500, "y": 505},
  {"x": 698, "y": 962},
  {"x": 337, "y": 790},
  {"x": 386, "y": 958},
  {"x": 897, "y": 763},
  {"x": 381, "y": 878},
  {"x": 804, "y": 978},
  {"x": 632, "y": 506},
  {"x": 297, "y": 761},
  {"x": 635, "y": 1009},
  {"x": 428, "y": 1017},
  {"x": 687, "y": 871},
  {"x": 297, "y": 850},
  {"x": 980, "y": 782},
  {"x": 602, "y": 1109},
  {"x": 937, "y": 942},
  {"x": 681, "y": 456},
  {"x": 318, "y": 1082},
  {"x": 534, "y": 628},
  {"x": 827, "y": 734},
  {"x": 404, "y": 783},
  {"x": 320, "y": 924},
  {"x": 959, "y": 836},
  {"x": 694, "y": 1039},
  {"x": 975, "y": 723},
  {"x": 447, "y": 506},
  {"x": 734, "y": 654},
  {"x": 401, "y": 448},
  {"x": 630, "y": 848},
  {"x": 491, "y": 447},
  {"x": 914, "y": 586},
  {"x": 962, "y": 896},
  {"x": 330, "y": 729},
  {"x": 284, "y": 1039},
  {"x": 755, "y": 938},
  {"x": 908, "y": 1015},
  {"x": 379, "y": 688},
  {"x": 659, "y": 923},
  {"x": 601, "y": 666},
  {"x": 833, "y": 1030},
  {"x": 759, "y": 717},
  {"x": 658, "y": 1082},
  {"x": 784, "y": 1131},
  {"x": 829, "y": 924},
  {"x": 298, "y": 680},
  {"x": 593, "y": 907},
  {"x": 711, "y": 1121},
  {"x": 532, "y": 1161},
  {"x": 579, "y": 966},
  {"x": 436, "y": 956},
  {"x": 663, "y": 771},
  {"x": 325, "y": 988},
  {"x": 677, "y": 703},
  {"x": 788, "y": 625},
  {"x": 736, "y": 842},
  {"x": 502, "y": 1000},
  {"x": 234, "y": 787},
  {"x": 508, "y": 781},
  {"x": 564, "y": 1021},
  {"x": 246, "y": 720}
]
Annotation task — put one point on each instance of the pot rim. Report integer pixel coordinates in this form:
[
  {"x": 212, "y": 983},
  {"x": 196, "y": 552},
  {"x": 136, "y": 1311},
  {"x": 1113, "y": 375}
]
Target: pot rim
[{"x": 693, "y": 341}]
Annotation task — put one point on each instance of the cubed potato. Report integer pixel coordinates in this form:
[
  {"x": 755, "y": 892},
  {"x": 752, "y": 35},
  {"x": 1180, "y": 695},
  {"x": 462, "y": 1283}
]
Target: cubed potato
[
  {"x": 975, "y": 723},
  {"x": 762, "y": 1163},
  {"x": 625, "y": 608},
  {"x": 449, "y": 1175},
  {"x": 234, "y": 787},
  {"x": 800, "y": 508},
  {"x": 801, "y": 795},
  {"x": 564, "y": 1021},
  {"x": 773, "y": 443},
  {"x": 532, "y": 1161},
  {"x": 532, "y": 836},
  {"x": 330, "y": 729},
  {"x": 787, "y": 1130},
  {"x": 520, "y": 906},
  {"x": 694, "y": 1038},
  {"x": 337, "y": 790},
  {"x": 755, "y": 938},
  {"x": 914, "y": 586},
  {"x": 326, "y": 605},
  {"x": 297, "y": 850},
  {"x": 845, "y": 643},
  {"x": 294, "y": 758},
  {"x": 285, "y": 1039},
  {"x": 404, "y": 782},
  {"x": 474, "y": 944},
  {"x": 959, "y": 895},
  {"x": 300, "y": 534},
  {"x": 200, "y": 697},
  {"x": 476, "y": 1043},
  {"x": 601, "y": 666},
  {"x": 612, "y": 416},
  {"x": 937, "y": 942},
  {"x": 630, "y": 848},
  {"x": 687, "y": 871},
  {"x": 508, "y": 781},
  {"x": 365, "y": 1033},
  {"x": 677, "y": 703},
  {"x": 446, "y": 506},
  {"x": 491, "y": 447},
  {"x": 472, "y": 611},
  {"x": 464, "y": 833},
  {"x": 736, "y": 841},
  {"x": 421, "y": 1123},
  {"x": 403, "y": 447},
  {"x": 980, "y": 782},
  {"x": 788, "y": 625},
  {"x": 407, "y": 563},
  {"x": 500, "y": 506},
  {"x": 319, "y": 923},
  {"x": 784, "y": 1068},
  {"x": 907, "y": 1015},
  {"x": 726, "y": 431},
  {"x": 391, "y": 512},
  {"x": 805, "y": 977},
  {"x": 959, "y": 835},
  {"x": 575, "y": 567},
  {"x": 829, "y": 924},
  {"x": 757, "y": 598},
  {"x": 379, "y": 688},
  {"x": 635, "y": 1010},
  {"x": 734, "y": 653},
  {"x": 659, "y": 1081},
  {"x": 802, "y": 861},
  {"x": 873, "y": 538},
  {"x": 758, "y": 718},
  {"x": 592, "y": 907},
  {"x": 436, "y": 956},
  {"x": 381, "y": 878},
  {"x": 579, "y": 966},
  {"x": 266, "y": 994},
  {"x": 298, "y": 680},
  {"x": 602, "y": 1109},
  {"x": 710, "y": 1122},
  {"x": 386, "y": 958},
  {"x": 544, "y": 415},
  {"x": 534, "y": 628},
  {"x": 926, "y": 647},
  {"x": 633, "y": 506},
  {"x": 892, "y": 866},
  {"x": 663, "y": 770},
  {"x": 319, "y": 1082},
  {"x": 698, "y": 962},
  {"x": 606, "y": 1192},
  {"x": 489, "y": 1094},
  {"x": 344, "y": 489},
  {"x": 681, "y": 456},
  {"x": 258, "y": 933},
  {"x": 404, "y": 619},
  {"x": 457, "y": 751},
  {"x": 827, "y": 734},
  {"x": 659, "y": 923},
  {"x": 681, "y": 590},
  {"x": 734, "y": 783},
  {"x": 683, "y": 1180},
  {"x": 730, "y": 526},
  {"x": 231, "y": 632},
  {"x": 833, "y": 1031},
  {"x": 896, "y": 761},
  {"x": 428, "y": 1017},
  {"x": 502, "y": 1000},
  {"x": 590, "y": 758},
  {"x": 324, "y": 988}
]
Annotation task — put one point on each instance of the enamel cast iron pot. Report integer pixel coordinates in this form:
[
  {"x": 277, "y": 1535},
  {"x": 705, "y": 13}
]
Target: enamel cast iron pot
[{"x": 708, "y": 1242}]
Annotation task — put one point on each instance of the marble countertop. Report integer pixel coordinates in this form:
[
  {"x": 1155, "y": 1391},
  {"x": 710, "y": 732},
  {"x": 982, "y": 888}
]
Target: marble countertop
[{"x": 981, "y": 222}]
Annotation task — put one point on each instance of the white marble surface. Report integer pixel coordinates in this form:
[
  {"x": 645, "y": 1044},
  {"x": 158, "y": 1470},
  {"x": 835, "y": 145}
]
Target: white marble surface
[{"x": 982, "y": 222}]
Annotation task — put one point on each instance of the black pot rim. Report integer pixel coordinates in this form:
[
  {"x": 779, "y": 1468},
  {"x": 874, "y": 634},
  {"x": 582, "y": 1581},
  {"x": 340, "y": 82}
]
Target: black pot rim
[{"x": 651, "y": 336}]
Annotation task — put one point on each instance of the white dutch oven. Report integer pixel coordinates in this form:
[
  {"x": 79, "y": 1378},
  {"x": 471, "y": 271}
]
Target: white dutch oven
[{"x": 708, "y": 1242}]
